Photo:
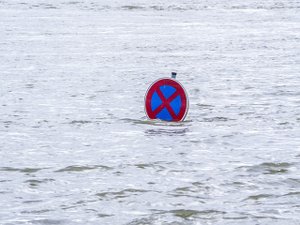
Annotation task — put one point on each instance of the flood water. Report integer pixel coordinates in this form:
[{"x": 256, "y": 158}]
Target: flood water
[{"x": 77, "y": 148}]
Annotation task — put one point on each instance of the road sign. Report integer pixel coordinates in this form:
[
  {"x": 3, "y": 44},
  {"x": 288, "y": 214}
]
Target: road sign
[{"x": 167, "y": 100}]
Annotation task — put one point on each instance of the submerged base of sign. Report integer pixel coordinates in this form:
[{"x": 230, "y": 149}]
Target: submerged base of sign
[{"x": 166, "y": 100}]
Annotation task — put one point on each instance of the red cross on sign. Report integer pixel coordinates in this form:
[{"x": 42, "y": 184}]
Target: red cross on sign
[{"x": 167, "y": 100}]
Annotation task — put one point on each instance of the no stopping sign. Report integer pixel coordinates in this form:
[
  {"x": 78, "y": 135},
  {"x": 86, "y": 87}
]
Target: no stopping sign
[{"x": 167, "y": 100}]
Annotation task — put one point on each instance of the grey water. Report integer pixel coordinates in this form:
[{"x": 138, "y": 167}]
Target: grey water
[{"x": 77, "y": 148}]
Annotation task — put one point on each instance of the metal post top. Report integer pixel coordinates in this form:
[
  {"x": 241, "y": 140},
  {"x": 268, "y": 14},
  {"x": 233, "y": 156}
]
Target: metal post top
[{"x": 174, "y": 75}]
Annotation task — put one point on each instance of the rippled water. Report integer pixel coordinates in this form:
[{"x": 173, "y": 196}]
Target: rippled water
[{"x": 75, "y": 144}]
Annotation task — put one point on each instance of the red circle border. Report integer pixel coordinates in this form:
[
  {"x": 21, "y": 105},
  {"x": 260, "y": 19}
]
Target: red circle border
[{"x": 179, "y": 89}]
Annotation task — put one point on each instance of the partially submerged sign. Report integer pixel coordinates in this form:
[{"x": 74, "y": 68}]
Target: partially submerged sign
[{"x": 166, "y": 100}]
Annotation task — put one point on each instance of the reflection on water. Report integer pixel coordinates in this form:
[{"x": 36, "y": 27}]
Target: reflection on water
[
  {"x": 169, "y": 132},
  {"x": 158, "y": 122}
]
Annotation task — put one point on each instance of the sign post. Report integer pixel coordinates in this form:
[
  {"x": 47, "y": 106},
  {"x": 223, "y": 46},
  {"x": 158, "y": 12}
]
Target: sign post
[
  {"x": 166, "y": 99},
  {"x": 174, "y": 75}
]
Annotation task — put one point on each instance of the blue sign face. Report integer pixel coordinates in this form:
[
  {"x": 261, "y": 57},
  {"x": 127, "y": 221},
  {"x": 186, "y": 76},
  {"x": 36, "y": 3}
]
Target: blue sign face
[
  {"x": 166, "y": 100},
  {"x": 173, "y": 106}
]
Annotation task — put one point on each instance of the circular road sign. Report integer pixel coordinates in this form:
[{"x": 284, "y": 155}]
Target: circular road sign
[{"x": 166, "y": 100}]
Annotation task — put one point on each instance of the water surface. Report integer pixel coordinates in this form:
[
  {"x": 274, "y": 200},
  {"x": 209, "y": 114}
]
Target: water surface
[{"x": 77, "y": 148}]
